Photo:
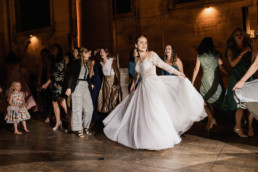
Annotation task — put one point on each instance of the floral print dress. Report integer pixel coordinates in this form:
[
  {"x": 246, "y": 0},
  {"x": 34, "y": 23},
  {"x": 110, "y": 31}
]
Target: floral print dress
[
  {"x": 57, "y": 80},
  {"x": 16, "y": 113}
]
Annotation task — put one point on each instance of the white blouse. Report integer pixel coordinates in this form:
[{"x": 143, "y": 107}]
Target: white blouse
[{"x": 107, "y": 67}]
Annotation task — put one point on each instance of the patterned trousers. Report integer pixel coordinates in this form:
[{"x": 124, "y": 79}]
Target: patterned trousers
[{"x": 81, "y": 104}]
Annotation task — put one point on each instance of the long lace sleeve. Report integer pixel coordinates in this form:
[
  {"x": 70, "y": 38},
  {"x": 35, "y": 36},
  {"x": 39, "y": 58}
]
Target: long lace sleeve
[{"x": 161, "y": 64}]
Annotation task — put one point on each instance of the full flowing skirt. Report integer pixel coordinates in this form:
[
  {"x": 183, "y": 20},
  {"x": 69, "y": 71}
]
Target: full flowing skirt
[
  {"x": 247, "y": 97},
  {"x": 16, "y": 114},
  {"x": 156, "y": 114}
]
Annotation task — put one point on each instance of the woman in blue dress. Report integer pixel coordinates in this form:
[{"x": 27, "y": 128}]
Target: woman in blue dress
[
  {"x": 96, "y": 80},
  {"x": 171, "y": 58},
  {"x": 133, "y": 54}
]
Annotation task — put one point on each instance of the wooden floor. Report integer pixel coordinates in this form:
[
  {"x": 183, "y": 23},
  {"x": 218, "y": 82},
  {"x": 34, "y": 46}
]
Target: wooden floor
[{"x": 45, "y": 150}]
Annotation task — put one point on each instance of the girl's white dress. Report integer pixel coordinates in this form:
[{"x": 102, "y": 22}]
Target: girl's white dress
[{"x": 158, "y": 112}]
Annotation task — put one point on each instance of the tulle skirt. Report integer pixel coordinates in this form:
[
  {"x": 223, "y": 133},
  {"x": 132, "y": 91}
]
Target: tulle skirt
[
  {"x": 247, "y": 97},
  {"x": 156, "y": 114}
]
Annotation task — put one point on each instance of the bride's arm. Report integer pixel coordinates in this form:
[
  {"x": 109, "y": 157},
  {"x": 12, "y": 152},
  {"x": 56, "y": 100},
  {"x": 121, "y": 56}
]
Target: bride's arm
[
  {"x": 161, "y": 64},
  {"x": 252, "y": 69}
]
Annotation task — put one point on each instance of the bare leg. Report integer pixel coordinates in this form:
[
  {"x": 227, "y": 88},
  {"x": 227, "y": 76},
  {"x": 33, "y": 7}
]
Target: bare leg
[
  {"x": 238, "y": 127},
  {"x": 211, "y": 119},
  {"x": 57, "y": 115},
  {"x": 25, "y": 126},
  {"x": 16, "y": 131},
  {"x": 250, "y": 125},
  {"x": 64, "y": 106},
  {"x": 211, "y": 108}
]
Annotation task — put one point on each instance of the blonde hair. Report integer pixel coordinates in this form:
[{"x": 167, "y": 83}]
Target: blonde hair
[
  {"x": 83, "y": 50},
  {"x": 12, "y": 89}
]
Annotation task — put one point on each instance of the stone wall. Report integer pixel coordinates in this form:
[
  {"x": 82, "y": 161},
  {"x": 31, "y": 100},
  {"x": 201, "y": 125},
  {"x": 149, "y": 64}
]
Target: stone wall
[
  {"x": 57, "y": 33},
  {"x": 183, "y": 26}
]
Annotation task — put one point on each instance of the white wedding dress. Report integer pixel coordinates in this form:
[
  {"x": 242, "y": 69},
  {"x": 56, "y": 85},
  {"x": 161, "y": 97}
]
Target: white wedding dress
[
  {"x": 247, "y": 97},
  {"x": 158, "y": 112}
]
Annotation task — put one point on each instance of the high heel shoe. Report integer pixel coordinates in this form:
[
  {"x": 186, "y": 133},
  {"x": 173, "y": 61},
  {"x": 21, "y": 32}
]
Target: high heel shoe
[
  {"x": 59, "y": 125},
  {"x": 240, "y": 132},
  {"x": 210, "y": 125}
]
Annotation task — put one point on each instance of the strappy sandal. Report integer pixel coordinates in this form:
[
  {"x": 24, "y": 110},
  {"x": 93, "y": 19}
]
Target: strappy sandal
[
  {"x": 86, "y": 131},
  {"x": 80, "y": 133},
  {"x": 240, "y": 132}
]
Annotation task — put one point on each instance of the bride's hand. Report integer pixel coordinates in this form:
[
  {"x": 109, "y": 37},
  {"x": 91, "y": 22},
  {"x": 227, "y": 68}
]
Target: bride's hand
[
  {"x": 181, "y": 74},
  {"x": 132, "y": 89},
  {"x": 239, "y": 84}
]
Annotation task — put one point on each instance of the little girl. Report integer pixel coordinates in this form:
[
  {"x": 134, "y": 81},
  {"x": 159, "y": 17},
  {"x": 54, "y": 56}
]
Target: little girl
[{"x": 17, "y": 111}]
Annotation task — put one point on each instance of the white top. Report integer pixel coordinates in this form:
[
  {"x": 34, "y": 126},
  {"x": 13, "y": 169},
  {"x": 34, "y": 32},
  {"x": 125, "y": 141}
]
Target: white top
[{"x": 107, "y": 67}]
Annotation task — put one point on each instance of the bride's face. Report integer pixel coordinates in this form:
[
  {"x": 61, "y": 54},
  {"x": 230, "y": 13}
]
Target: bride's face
[{"x": 142, "y": 44}]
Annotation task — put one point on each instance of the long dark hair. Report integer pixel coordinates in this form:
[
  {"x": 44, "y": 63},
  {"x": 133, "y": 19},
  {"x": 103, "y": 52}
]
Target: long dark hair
[
  {"x": 59, "y": 57},
  {"x": 173, "y": 55},
  {"x": 96, "y": 57},
  {"x": 206, "y": 46},
  {"x": 231, "y": 43},
  {"x": 132, "y": 58},
  {"x": 106, "y": 51},
  {"x": 78, "y": 49}
]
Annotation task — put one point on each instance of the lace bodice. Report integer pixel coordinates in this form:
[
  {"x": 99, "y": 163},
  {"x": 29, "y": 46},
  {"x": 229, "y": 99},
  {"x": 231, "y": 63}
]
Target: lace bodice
[{"x": 148, "y": 66}]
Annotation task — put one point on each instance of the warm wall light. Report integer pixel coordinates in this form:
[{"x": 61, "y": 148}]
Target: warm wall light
[
  {"x": 206, "y": 20},
  {"x": 208, "y": 10},
  {"x": 208, "y": 13},
  {"x": 33, "y": 39}
]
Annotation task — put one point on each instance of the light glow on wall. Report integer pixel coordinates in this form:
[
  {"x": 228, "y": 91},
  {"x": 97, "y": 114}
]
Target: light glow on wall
[
  {"x": 208, "y": 10},
  {"x": 207, "y": 22},
  {"x": 33, "y": 39},
  {"x": 78, "y": 14}
]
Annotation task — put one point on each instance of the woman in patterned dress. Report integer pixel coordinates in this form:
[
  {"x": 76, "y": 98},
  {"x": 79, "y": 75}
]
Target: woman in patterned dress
[
  {"x": 212, "y": 88},
  {"x": 57, "y": 80}
]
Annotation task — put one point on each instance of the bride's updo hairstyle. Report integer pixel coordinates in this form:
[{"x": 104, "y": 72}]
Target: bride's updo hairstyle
[
  {"x": 136, "y": 41},
  {"x": 139, "y": 36}
]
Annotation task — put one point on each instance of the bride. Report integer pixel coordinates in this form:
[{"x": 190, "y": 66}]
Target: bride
[{"x": 161, "y": 108}]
